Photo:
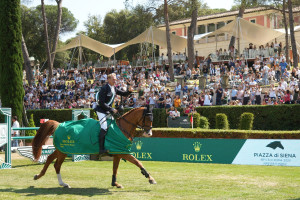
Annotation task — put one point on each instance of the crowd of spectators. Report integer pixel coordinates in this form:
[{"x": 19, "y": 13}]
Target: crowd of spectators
[{"x": 269, "y": 81}]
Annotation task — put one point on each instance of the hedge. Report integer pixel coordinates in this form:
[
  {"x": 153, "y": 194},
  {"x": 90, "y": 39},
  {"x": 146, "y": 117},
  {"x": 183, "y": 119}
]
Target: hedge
[
  {"x": 279, "y": 117},
  {"x": 217, "y": 133},
  {"x": 270, "y": 117},
  {"x": 246, "y": 121},
  {"x": 221, "y": 121},
  {"x": 204, "y": 123}
]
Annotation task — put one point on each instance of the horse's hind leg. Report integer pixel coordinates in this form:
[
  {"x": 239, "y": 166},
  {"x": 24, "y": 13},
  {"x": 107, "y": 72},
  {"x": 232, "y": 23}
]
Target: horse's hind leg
[
  {"x": 115, "y": 171},
  {"x": 57, "y": 165},
  {"x": 48, "y": 162},
  {"x": 135, "y": 161}
]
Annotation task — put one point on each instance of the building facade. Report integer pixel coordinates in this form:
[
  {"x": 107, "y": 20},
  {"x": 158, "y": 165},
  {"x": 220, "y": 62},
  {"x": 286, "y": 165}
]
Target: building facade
[{"x": 205, "y": 24}]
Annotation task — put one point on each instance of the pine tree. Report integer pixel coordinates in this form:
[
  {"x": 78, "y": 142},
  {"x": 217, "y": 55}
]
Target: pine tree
[{"x": 11, "y": 88}]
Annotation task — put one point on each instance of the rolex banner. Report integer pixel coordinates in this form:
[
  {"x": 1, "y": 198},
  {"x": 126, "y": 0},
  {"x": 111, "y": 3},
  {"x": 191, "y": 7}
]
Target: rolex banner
[{"x": 224, "y": 151}]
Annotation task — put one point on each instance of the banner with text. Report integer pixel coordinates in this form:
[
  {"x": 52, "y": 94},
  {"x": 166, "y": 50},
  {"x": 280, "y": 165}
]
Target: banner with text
[{"x": 224, "y": 151}]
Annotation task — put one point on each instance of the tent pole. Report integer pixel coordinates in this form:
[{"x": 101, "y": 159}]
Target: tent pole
[
  {"x": 153, "y": 57},
  {"x": 239, "y": 25},
  {"x": 114, "y": 57},
  {"x": 141, "y": 54},
  {"x": 80, "y": 57},
  {"x": 216, "y": 43}
]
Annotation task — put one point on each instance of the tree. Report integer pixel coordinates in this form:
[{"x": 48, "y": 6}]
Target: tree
[
  {"x": 292, "y": 34},
  {"x": 57, "y": 29},
  {"x": 191, "y": 33},
  {"x": 181, "y": 9},
  {"x": 27, "y": 64},
  {"x": 169, "y": 47},
  {"x": 285, "y": 22},
  {"x": 118, "y": 27},
  {"x": 50, "y": 66},
  {"x": 33, "y": 29},
  {"x": 11, "y": 90}
]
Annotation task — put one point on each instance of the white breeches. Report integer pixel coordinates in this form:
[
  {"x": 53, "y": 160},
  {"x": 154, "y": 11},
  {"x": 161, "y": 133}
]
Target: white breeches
[{"x": 102, "y": 120}]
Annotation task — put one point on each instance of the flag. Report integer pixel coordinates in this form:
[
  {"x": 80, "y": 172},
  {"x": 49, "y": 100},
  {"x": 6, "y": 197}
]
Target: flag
[{"x": 191, "y": 120}]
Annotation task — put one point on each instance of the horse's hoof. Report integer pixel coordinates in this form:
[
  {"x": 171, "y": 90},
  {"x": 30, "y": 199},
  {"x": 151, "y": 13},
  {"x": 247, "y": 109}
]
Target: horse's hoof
[
  {"x": 35, "y": 177},
  {"x": 152, "y": 181},
  {"x": 117, "y": 185},
  {"x": 67, "y": 186}
]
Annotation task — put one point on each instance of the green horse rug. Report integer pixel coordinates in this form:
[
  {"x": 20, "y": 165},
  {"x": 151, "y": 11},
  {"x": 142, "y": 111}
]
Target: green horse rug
[{"x": 81, "y": 137}]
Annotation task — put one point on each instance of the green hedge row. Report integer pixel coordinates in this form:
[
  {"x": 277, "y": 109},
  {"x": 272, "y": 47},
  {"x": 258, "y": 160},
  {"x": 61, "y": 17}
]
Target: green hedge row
[
  {"x": 216, "y": 133},
  {"x": 280, "y": 117}
]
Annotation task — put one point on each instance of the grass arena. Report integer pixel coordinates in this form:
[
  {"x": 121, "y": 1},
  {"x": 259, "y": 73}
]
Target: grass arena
[{"x": 91, "y": 180}]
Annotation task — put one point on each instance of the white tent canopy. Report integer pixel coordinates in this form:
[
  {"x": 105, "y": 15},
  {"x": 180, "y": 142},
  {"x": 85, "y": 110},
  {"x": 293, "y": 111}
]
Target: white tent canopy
[
  {"x": 245, "y": 30},
  {"x": 151, "y": 35},
  {"x": 85, "y": 41},
  {"x": 282, "y": 30},
  {"x": 199, "y": 36}
]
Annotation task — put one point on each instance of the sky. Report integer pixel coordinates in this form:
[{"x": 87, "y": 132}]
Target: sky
[{"x": 82, "y": 9}]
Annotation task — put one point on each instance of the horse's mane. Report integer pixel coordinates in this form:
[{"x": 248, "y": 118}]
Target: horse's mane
[{"x": 129, "y": 112}]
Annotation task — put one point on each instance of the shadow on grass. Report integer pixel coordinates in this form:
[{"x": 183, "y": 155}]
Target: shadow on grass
[
  {"x": 32, "y": 191},
  {"x": 90, "y": 192}
]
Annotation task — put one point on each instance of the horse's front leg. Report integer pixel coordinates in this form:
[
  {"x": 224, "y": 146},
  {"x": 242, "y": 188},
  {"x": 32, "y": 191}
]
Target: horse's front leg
[
  {"x": 115, "y": 171},
  {"x": 135, "y": 161}
]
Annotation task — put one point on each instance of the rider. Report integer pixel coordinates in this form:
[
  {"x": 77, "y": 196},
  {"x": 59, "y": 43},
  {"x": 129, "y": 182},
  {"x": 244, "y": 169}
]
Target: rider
[{"x": 105, "y": 100}]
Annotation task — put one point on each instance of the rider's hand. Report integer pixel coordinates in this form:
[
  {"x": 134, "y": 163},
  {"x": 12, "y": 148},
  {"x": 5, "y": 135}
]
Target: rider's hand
[{"x": 115, "y": 110}]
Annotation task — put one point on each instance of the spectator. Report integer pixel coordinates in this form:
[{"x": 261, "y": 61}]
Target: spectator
[
  {"x": 177, "y": 102},
  {"x": 15, "y": 124},
  {"x": 219, "y": 93}
]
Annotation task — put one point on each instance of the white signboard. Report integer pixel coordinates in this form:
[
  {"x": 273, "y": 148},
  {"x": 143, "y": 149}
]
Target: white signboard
[
  {"x": 269, "y": 152},
  {"x": 3, "y": 134}
]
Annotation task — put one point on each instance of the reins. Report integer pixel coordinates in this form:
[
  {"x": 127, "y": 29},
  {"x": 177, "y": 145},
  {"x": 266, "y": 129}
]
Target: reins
[{"x": 133, "y": 125}]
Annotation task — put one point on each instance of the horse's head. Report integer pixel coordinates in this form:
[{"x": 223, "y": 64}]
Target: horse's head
[
  {"x": 147, "y": 122},
  {"x": 138, "y": 117}
]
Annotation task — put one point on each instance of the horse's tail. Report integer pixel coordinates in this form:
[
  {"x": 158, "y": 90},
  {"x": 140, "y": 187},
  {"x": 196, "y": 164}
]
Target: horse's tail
[{"x": 45, "y": 131}]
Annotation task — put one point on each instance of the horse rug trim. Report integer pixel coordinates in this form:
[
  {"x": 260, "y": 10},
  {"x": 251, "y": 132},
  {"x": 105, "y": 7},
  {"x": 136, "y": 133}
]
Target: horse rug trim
[{"x": 82, "y": 137}]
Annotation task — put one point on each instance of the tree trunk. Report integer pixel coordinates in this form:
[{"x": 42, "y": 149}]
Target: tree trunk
[
  {"x": 292, "y": 33},
  {"x": 191, "y": 34},
  {"x": 27, "y": 63},
  {"x": 47, "y": 40},
  {"x": 58, "y": 23},
  {"x": 287, "y": 47},
  {"x": 171, "y": 66},
  {"x": 241, "y": 14}
]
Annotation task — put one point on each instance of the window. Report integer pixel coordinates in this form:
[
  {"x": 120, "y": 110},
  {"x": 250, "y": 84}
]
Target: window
[
  {"x": 253, "y": 21},
  {"x": 201, "y": 29},
  {"x": 220, "y": 24},
  {"x": 229, "y": 21},
  {"x": 211, "y": 27}
]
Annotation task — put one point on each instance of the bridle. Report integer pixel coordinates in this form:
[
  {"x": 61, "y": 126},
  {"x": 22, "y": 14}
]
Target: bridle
[{"x": 147, "y": 129}]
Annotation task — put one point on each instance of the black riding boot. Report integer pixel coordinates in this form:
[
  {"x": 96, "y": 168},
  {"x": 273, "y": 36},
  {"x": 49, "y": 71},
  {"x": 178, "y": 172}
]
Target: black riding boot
[{"x": 101, "y": 141}]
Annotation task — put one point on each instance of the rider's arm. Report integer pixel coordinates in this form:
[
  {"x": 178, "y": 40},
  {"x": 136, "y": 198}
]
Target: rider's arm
[{"x": 122, "y": 93}]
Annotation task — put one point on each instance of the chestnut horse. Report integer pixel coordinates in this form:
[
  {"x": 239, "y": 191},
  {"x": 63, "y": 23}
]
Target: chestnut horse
[{"x": 138, "y": 117}]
